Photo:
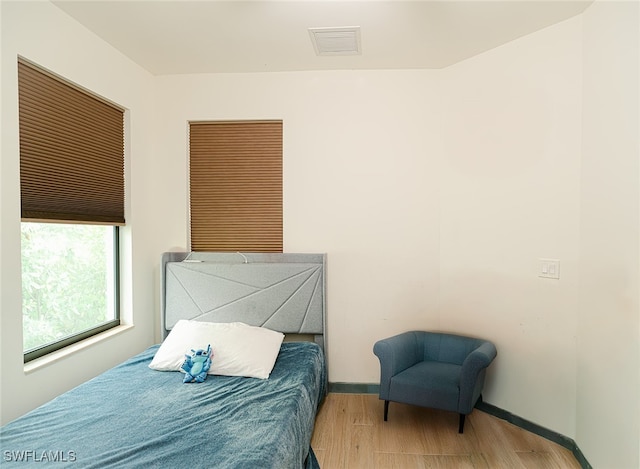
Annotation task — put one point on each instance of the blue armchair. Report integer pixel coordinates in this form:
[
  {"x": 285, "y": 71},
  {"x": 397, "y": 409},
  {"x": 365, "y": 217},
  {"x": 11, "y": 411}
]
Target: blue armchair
[{"x": 437, "y": 370}]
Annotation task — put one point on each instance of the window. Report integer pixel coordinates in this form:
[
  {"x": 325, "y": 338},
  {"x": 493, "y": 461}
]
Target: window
[
  {"x": 69, "y": 279},
  {"x": 235, "y": 174},
  {"x": 72, "y": 203}
]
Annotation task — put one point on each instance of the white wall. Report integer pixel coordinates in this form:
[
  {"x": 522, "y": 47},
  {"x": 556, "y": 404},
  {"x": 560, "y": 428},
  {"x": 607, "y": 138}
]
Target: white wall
[
  {"x": 608, "y": 380},
  {"x": 42, "y": 33},
  {"x": 510, "y": 196},
  {"x": 361, "y": 152},
  {"x": 541, "y": 142}
]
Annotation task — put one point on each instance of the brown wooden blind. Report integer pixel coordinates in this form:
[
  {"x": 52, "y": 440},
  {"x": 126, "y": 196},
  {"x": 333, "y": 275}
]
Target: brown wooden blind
[
  {"x": 235, "y": 176},
  {"x": 71, "y": 151}
]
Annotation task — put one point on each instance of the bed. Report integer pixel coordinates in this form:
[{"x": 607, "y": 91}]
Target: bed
[{"x": 136, "y": 416}]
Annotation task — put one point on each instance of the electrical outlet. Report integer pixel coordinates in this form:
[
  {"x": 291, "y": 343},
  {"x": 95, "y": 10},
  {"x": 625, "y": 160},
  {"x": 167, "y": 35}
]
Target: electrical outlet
[{"x": 549, "y": 268}]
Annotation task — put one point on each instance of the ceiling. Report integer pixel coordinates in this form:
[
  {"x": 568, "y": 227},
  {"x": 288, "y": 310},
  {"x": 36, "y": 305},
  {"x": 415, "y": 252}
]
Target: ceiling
[{"x": 206, "y": 36}]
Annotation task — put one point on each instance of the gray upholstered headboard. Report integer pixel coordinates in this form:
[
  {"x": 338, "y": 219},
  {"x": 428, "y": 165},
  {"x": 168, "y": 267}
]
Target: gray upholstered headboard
[{"x": 283, "y": 292}]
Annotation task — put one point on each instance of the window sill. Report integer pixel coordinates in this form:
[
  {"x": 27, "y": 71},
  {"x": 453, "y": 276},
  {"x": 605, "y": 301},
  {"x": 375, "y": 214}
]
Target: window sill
[{"x": 58, "y": 355}]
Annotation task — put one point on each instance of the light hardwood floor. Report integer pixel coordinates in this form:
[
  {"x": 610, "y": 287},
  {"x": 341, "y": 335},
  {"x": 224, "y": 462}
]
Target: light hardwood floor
[{"x": 350, "y": 433}]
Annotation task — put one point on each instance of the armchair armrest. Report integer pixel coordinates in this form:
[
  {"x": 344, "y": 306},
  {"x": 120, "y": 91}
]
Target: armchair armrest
[
  {"x": 473, "y": 374},
  {"x": 396, "y": 354}
]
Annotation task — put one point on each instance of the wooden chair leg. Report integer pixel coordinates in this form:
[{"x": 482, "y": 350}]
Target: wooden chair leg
[
  {"x": 386, "y": 410},
  {"x": 461, "y": 425}
]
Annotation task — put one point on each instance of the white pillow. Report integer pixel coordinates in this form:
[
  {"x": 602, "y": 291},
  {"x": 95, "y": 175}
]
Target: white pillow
[{"x": 238, "y": 349}]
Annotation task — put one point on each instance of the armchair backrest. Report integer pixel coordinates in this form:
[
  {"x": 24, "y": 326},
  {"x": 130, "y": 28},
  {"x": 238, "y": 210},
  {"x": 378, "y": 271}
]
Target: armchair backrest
[{"x": 447, "y": 348}]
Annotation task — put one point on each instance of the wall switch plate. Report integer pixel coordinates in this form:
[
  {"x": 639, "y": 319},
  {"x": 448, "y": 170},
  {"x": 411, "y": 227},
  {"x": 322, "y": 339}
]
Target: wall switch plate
[{"x": 549, "y": 268}]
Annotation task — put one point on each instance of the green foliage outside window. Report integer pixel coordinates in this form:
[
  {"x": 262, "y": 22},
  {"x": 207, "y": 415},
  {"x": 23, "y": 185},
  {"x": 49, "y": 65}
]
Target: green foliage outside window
[{"x": 66, "y": 273}]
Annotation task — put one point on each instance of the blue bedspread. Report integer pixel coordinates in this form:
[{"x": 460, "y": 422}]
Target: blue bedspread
[{"x": 132, "y": 416}]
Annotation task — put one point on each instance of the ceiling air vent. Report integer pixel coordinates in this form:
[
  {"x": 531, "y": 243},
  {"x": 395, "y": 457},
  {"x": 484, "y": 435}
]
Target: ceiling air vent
[{"x": 336, "y": 41}]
